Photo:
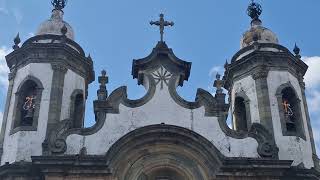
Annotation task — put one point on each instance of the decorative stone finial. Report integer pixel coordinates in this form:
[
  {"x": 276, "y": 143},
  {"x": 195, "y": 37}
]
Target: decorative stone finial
[
  {"x": 59, "y": 4},
  {"x": 16, "y": 41},
  {"x": 296, "y": 51},
  {"x": 162, "y": 24},
  {"x": 254, "y": 10},
  {"x": 89, "y": 57},
  {"x": 218, "y": 83},
  {"x": 103, "y": 80},
  {"x": 226, "y": 64}
]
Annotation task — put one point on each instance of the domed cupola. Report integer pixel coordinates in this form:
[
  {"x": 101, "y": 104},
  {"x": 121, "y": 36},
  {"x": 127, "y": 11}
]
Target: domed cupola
[
  {"x": 56, "y": 22},
  {"x": 257, "y": 32}
]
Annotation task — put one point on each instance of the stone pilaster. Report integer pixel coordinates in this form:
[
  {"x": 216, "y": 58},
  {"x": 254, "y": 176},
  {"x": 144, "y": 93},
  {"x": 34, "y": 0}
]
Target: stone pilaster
[
  {"x": 56, "y": 94},
  {"x": 11, "y": 77},
  {"x": 260, "y": 76}
]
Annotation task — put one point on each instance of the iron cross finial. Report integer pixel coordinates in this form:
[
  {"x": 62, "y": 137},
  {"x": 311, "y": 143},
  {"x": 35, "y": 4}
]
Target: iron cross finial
[
  {"x": 162, "y": 24},
  {"x": 254, "y": 10},
  {"x": 59, "y": 4}
]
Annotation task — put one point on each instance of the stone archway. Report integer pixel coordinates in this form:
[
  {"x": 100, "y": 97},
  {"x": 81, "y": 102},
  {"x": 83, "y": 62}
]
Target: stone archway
[{"x": 163, "y": 152}]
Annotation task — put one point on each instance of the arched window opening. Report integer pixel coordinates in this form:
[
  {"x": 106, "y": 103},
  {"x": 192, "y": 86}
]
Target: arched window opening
[
  {"x": 27, "y": 105},
  {"x": 240, "y": 114},
  {"x": 290, "y": 111},
  {"x": 78, "y": 110},
  {"x": 290, "y": 108}
]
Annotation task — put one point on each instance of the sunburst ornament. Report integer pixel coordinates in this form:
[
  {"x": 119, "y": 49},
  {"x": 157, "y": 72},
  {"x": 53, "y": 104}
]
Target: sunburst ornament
[{"x": 162, "y": 76}]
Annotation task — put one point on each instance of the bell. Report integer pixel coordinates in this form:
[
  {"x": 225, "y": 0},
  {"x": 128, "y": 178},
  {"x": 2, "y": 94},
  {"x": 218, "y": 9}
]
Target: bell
[{"x": 28, "y": 118}]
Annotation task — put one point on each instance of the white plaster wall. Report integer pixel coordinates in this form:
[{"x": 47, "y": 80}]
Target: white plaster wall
[
  {"x": 23, "y": 145},
  {"x": 161, "y": 109},
  {"x": 248, "y": 86},
  {"x": 72, "y": 81},
  {"x": 290, "y": 147}
]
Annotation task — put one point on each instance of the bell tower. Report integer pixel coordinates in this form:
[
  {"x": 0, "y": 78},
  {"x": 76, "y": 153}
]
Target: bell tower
[
  {"x": 265, "y": 83},
  {"x": 48, "y": 82}
]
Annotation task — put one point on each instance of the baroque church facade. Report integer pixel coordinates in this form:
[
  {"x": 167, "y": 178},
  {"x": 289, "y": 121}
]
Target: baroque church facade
[{"x": 160, "y": 136}]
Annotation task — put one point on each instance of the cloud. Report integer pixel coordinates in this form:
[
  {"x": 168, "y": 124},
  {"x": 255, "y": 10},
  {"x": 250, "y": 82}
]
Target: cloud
[
  {"x": 3, "y": 7},
  {"x": 312, "y": 77},
  {"x": 214, "y": 70},
  {"x": 17, "y": 15},
  {"x": 312, "y": 80},
  {"x": 4, "y": 70}
]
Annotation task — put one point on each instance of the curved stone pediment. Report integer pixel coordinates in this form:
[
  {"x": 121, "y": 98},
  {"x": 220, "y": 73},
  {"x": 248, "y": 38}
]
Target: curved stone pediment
[{"x": 117, "y": 115}]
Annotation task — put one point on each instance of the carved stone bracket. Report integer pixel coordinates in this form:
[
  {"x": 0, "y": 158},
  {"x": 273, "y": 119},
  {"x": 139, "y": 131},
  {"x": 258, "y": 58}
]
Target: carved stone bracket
[
  {"x": 59, "y": 67},
  {"x": 267, "y": 148},
  {"x": 260, "y": 72}
]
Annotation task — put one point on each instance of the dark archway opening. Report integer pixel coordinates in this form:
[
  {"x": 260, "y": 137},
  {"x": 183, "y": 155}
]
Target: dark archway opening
[
  {"x": 240, "y": 114},
  {"x": 78, "y": 113}
]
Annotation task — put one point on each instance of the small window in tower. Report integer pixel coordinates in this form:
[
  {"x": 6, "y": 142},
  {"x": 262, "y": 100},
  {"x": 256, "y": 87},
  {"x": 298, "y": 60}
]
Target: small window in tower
[
  {"x": 77, "y": 109},
  {"x": 240, "y": 114},
  {"x": 27, "y": 105}
]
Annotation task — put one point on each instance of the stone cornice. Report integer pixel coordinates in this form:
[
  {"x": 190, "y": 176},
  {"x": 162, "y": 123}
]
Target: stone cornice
[
  {"x": 56, "y": 53},
  {"x": 258, "y": 63}
]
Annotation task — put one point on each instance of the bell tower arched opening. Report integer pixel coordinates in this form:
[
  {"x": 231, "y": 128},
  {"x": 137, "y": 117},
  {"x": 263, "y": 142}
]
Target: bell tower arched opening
[{"x": 290, "y": 111}]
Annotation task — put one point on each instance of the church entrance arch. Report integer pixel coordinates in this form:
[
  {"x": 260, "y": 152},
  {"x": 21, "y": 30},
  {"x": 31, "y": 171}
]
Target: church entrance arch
[{"x": 163, "y": 152}]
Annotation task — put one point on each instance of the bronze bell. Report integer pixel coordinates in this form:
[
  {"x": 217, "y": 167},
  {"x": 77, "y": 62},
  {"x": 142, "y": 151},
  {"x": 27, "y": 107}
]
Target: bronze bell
[{"x": 28, "y": 118}]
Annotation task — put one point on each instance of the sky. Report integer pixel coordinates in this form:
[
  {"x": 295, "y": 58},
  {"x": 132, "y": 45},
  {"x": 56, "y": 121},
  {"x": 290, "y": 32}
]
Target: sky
[{"x": 206, "y": 33}]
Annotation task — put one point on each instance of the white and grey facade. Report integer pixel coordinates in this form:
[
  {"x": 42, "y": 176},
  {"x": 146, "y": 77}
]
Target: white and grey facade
[{"x": 161, "y": 135}]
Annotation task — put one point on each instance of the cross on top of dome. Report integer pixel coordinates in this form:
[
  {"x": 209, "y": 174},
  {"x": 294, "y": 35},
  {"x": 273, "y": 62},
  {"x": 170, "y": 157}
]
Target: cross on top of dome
[{"x": 59, "y": 4}]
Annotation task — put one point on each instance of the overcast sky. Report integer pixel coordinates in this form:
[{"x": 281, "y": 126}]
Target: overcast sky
[{"x": 206, "y": 32}]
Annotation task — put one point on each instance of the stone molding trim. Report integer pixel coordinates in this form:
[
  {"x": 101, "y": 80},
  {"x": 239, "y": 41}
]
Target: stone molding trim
[
  {"x": 56, "y": 144},
  {"x": 300, "y": 127},
  {"x": 212, "y": 106},
  {"x": 267, "y": 148},
  {"x": 70, "y": 54},
  {"x": 39, "y": 90},
  {"x": 95, "y": 167},
  {"x": 199, "y": 156},
  {"x": 161, "y": 55},
  {"x": 262, "y": 61}
]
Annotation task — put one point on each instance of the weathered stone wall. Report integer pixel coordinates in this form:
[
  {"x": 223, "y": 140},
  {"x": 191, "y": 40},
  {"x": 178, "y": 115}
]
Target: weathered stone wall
[
  {"x": 162, "y": 108},
  {"x": 247, "y": 86},
  {"x": 23, "y": 144},
  {"x": 290, "y": 147},
  {"x": 72, "y": 82}
]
